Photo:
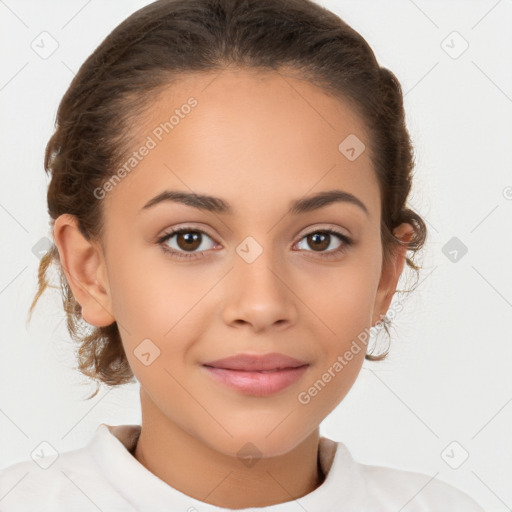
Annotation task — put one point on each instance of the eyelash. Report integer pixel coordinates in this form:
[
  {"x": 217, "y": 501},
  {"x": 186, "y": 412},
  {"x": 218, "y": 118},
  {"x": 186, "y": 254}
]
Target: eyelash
[{"x": 347, "y": 242}]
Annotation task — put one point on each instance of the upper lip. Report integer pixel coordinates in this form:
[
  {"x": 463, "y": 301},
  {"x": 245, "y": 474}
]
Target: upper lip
[{"x": 255, "y": 362}]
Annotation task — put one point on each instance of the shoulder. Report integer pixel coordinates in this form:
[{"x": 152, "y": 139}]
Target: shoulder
[
  {"x": 53, "y": 483},
  {"x": 420, "y": 492},
  {"x": 386, "y": 489}
]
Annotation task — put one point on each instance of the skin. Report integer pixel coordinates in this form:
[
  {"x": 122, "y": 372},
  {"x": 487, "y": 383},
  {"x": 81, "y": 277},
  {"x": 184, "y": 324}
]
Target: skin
[{"x": 259, "y": 141}]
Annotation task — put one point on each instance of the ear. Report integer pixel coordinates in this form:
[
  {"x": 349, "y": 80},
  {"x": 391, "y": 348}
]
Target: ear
[
  {"x": 84, "y": 266},
  {"x": 391, "y": 273}
]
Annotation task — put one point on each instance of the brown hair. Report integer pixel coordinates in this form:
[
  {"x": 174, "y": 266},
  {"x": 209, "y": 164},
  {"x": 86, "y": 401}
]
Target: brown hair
[{"x": 166, "y": 38}]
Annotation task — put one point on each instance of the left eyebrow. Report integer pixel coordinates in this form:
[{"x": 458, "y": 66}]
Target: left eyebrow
[
  {"x": 322, "y": 199},
  {"x": 218, "y": 205}
]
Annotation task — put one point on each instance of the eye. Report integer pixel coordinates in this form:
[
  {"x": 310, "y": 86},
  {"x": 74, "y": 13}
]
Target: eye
[
  {"x": 321, "y": 239},
  {"x": 187, "y": 239}
]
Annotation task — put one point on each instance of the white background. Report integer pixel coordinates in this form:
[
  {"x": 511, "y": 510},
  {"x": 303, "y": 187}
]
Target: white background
[{"x": 447, "y": 377}]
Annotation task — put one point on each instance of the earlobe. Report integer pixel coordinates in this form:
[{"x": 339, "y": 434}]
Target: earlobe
[
  {"x": 83, "y": 264},
  {"x": 391, "y": 273}
]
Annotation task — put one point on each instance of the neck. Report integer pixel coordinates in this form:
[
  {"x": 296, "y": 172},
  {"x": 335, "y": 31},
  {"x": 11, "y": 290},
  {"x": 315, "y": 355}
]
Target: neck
[{"x": 179, "y": 459}]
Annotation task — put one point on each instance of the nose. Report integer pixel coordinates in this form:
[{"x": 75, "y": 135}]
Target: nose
[{"x": 259, "y": 294}]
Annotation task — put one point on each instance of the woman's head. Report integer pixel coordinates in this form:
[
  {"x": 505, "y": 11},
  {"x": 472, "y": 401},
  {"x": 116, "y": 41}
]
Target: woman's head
[{"x": 260, "y": 104}]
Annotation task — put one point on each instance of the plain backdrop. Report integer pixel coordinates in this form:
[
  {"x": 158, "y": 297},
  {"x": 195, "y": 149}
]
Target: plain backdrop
[{"x": 445, "y": 391}]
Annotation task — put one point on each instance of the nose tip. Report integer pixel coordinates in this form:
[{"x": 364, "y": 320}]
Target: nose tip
[{"x": 259, "y": 296}]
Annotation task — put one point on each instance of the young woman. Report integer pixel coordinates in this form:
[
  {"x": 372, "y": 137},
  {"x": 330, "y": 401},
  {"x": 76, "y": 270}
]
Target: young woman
[{"x": 228, "y": 195}]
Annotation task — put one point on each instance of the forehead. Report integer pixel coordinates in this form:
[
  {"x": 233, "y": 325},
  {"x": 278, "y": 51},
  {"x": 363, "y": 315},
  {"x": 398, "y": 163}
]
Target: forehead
[{"x": 256, "y": 139}]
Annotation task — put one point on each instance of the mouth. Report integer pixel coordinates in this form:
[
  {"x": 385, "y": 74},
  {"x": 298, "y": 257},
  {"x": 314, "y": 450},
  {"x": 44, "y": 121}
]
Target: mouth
[
  {"x": 257, "y": 362},
  {"x": 257, "y": 375}
]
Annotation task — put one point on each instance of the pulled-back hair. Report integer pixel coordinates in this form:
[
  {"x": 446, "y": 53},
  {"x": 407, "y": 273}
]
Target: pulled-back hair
[{"x": 169, "y": 38}]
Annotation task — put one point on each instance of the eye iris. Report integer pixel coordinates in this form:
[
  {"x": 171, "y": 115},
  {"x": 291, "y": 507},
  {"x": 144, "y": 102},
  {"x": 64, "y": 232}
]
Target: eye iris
[
  {"x": 190, "y": 238},
  {"x": 315, "y": 237}
]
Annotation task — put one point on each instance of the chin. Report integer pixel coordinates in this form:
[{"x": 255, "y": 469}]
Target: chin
[{"x": 256, "y": 443}]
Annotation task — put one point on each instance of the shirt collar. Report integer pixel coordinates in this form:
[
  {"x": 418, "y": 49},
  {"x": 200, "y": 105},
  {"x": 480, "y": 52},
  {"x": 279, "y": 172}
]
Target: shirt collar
[{"x": 111, "y": 447}]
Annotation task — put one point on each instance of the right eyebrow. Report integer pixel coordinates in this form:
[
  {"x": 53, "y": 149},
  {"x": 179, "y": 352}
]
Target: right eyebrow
[{"x": 199, "y": 201}]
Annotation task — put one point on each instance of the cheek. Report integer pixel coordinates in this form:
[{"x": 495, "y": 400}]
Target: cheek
[
  {"x": 343, "y": 301},
  {"x": 343, "y": 298},
  {"x": 344, "y": 307},
  {"x": 158, "y": 303},
  {"x": 147, "y": 293}
]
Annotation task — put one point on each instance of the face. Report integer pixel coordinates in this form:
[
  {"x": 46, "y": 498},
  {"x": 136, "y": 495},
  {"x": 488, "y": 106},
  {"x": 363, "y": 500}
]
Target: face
[{"x": 253, "y": 277}]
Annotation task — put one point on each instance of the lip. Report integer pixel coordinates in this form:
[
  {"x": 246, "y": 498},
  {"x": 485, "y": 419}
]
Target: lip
[
  {"x": 257, "y": 383},
  {"x": 257, "y": 362},
  {"x": 258, "y": 375}
]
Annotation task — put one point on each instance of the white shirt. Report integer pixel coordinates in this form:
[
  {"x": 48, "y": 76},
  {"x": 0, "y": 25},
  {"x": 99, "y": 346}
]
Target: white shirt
[{"x": 104, "y": 476}]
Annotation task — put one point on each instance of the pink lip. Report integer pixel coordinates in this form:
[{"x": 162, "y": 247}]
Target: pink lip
[
  {"x": 256, "y": 362},
  {"x": 255, "y": 374},
  {"x": 257, "y": 383}
]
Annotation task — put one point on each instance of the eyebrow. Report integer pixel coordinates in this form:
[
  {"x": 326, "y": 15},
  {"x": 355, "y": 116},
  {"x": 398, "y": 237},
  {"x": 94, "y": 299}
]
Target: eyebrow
[{"x": 218, "y": 205}]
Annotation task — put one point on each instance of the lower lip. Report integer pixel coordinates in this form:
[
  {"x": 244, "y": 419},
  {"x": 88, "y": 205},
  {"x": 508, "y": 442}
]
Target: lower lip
[{"x": 257, "y": 383}]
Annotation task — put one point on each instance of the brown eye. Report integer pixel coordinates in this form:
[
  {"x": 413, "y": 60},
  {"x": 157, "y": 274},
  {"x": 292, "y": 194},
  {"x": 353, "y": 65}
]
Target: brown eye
[
  {"x": 320, "y": 241},
  {"x": 188, "y": 240}
]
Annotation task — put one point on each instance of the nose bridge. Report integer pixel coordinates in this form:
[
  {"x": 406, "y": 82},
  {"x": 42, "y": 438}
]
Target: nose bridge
[
  {"x": 257, "y": 291},
  {"x": 257, "y": 264}
]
